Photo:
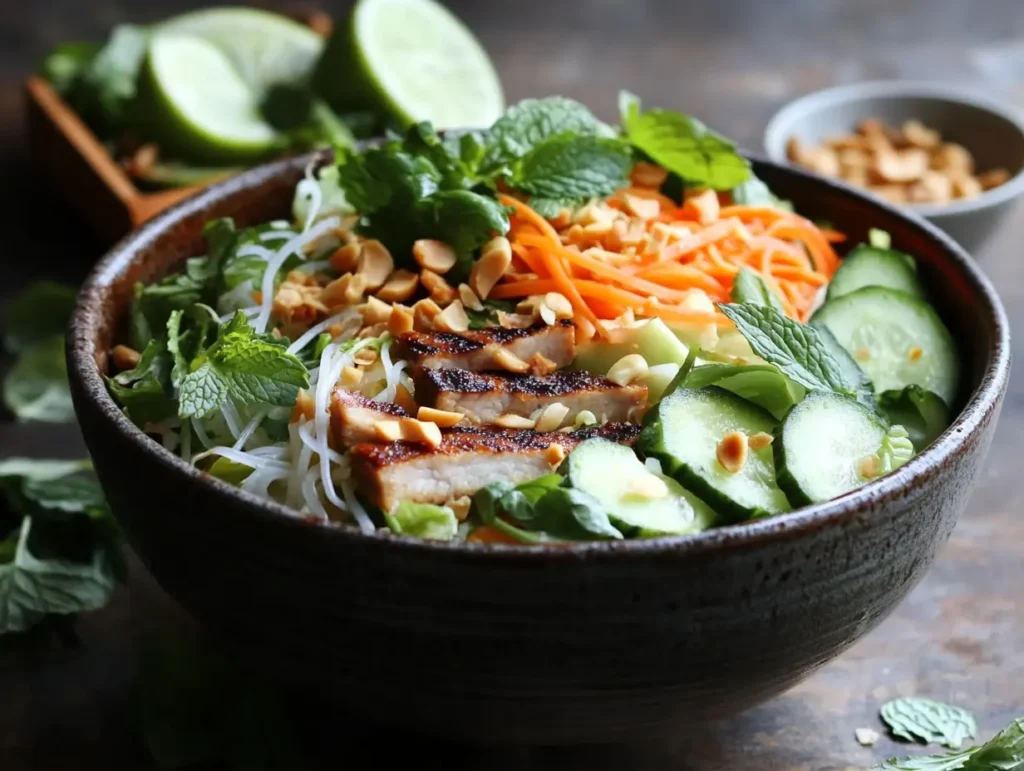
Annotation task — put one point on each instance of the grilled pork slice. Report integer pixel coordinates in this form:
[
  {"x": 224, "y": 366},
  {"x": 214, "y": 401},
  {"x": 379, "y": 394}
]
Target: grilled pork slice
[
  {"x": 353, "y": 416},
  {"x": 477, "y": 349},
  {"x": 484, "y": 396},
  {"x": 467, "y": 459}
]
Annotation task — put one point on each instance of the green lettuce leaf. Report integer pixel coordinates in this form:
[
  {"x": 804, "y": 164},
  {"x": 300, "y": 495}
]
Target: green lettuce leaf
[{"x": 423, "y": 520}]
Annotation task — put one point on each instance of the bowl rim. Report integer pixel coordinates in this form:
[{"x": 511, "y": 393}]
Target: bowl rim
[
  {"x": 780, "y": 126},
  {"x": 855, "y": 505}
]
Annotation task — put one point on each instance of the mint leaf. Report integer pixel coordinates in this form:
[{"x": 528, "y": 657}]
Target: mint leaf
[
  {"x": 423, "y": 520},
  {"x": 249, "y": 368},
  {"x": 929, "y": 721},
  {"x": 924, "y": 414},
  {"x": 36, "y": 388},
  {"x": 39, "y": 312},
  {"x": 532, "y": 122},
  {"x": 1004, "y": 752},
  {"x": 684, "y": 146},
  {"x": 796, "y": 349},
  {"x": 574, "y": 168},
  {"x": 751, "y": 289}
]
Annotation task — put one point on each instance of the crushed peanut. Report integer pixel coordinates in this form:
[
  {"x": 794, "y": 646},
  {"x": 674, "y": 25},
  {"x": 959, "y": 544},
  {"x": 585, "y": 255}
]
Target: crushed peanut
[
  {"x": 507, "y": 360},
  {"x": 374, "y": 330},
  {"x": 305, "y": 406},
  {"x": 469, "y": 298},
  {"x": 869, "y": 467},
  {"x": 433, "y": 255},
  {"x": 909, "y": 164},
  {"x": 560, "y": 304},
  {"x": 299, "y": 304},
  {"x": 554, "y": 454},
  {"x": 375, "y": 264},
  {"x": 125, "y": 357},
  {"x": 424, "y": 312},
  {"x": 513, "y": 421},
  {"x": 351, "y": 376},
  {"x": 627, "y": 369},
  {"x": 345, "y": 259},
  {"x": 387, "y": 430},
  {"x": 421, "y": 432},
  {"x": 400, "y": 321},
  {"x": 645, "y": 208},
  {"x": 585, "y": 418},
  {"x": 914, "y": 353},
  {"x": 366, "y": 356},
  {"x": 374, "y": 311},
  {"x": 541, "y": 365},
  {"x": 346, "y": 290},
  {"x": 452, "y": 319},
  {"x": 732, "y": 451},
  {"x": 706, "y": 205},
  {"x": 400, "y": 286},
  {"x": 551, "y": 417},
  {"x": 443, "y": 418},
  {"x": 440, "y": 291},
  {"x": 547, "y": 315},
  {"x": 760, "y": 440},
  {"x": 495, "y": 259},
  {"x": 514, "y": 320}
]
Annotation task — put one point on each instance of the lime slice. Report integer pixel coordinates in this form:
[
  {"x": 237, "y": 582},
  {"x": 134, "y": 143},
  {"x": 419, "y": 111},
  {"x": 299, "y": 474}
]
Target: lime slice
[
  {"x": 204, "y": 76},
  {"x": 412, "y": 60},
  {"x": 264, "y": 48}
]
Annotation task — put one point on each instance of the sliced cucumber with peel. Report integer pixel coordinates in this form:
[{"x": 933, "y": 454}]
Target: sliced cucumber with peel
[
  {"x": 821, "y": 447},
  {"x": 684, "y": 432},
  {"x": 638, "y": 501},
  {"x": 871, "y": 266},
  {"x": 898, "y": 340}
]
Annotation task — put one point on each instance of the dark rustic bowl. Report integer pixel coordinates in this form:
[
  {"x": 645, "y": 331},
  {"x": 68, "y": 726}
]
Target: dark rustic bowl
[{"x": 593, "y": 642}]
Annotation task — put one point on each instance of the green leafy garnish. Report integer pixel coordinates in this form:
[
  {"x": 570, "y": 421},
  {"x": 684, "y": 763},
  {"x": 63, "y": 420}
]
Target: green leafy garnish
[
  {"x": 795, "y": 348},
  {"x": 762, "y": 384},
  {"x": 1004, "y": 752},
  {"x": 143, "y": 392},
  {"x": 248, "y": 368},
  {"x": 423, "y": 520},
  {"x": 533, "y": 122},
  {"x": 751, "y": 289},
  {"x": 929, "y": 721},
  {"x": 36, "y": 388},
  {"x": 924, "y": 414},
  {"x": 63, "y": 555},
  {"x": 897, "y": 449},
  {"x": 304, "y": 118},
  {"x": 40, "y": 312},
  {"x": 683, "y": 145},
  {"x": 488, "y": 317}
]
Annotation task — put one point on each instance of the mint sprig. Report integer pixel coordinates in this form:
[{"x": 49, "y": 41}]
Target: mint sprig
[
  {"x": 532, "y": 122},
  {"x": 248, "y": 368},
  {"x": 571, "y": 168},
  {"x": 929, "y": 721},
  {"x": 1004, "y": 752}
]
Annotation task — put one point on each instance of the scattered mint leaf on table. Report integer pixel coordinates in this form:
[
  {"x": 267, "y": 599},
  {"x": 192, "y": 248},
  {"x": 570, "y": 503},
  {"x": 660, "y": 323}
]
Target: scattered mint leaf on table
[
  {"x": 36, "y": 388},
  {"x": 1004, "y": 752},
  {"x": 683, "y": 145},
  {"x": 38, "y": 313},
  {"x": 929, "y": 721}
]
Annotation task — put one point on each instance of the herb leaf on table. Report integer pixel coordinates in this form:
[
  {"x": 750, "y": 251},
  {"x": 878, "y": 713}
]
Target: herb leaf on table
[
  {"x": 929, "y": 721},
  {"x": 1004, "y": 752}
]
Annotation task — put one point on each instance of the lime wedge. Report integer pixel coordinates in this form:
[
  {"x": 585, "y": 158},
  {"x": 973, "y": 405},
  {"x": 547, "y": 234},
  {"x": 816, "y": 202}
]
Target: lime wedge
[
  {"x": 412, "y": 60},
  {"x": 204, "y": 76}
]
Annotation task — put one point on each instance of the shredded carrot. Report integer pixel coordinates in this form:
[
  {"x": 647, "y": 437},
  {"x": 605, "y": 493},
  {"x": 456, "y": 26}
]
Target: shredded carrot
[{"x": 604, "y": 271}]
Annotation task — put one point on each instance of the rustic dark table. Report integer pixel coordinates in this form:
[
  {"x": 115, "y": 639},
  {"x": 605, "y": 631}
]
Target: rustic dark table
[{"x": 958, "y": 637}]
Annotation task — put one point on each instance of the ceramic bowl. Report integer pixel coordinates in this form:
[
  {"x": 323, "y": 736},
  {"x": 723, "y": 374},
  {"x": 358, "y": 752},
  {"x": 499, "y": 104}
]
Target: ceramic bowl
[
  {"x": 991, "y": 131},
  {"x": 491, "y": 643}
]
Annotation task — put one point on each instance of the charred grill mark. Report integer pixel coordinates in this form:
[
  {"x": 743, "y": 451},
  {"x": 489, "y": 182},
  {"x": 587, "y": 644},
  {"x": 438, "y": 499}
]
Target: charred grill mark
[
  {"x": 430, "y": 383},
  {"x": 343, "y": 398},
  {"x": 415, "y": 345}
]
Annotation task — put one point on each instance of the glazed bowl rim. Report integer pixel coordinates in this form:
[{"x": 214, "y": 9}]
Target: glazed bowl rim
[
  {"x": 85, "y": 374},
  {"x": 796, "y": 112}
]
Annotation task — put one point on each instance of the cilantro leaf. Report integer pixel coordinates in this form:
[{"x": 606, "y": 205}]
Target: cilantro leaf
[
  {"x": 750, "y": 288},
  {"x": 574, "y": 168},
  {"x": 243, "y": 365},
  {"x": 929, "y": 721},
  {"x": 36, "y": 388},
  {"x": 796, "y": 349},
  {"x": 39, "y": 312},
  {"x": 1004, "y": 752},
  {"x": 684, "y": 146},
  {"x": 532, "y": 122},
  {"x": 462, "y": 219}
]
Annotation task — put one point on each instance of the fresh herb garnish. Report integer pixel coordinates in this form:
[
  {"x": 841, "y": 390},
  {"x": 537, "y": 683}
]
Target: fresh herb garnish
[
  {"x": 243, "y": 366},
  {"x": 63, "y": 555},
  {"x": 924, "y": 414},
  {"x": 929, "y": 721},
  {"x": 1004, "y": 752},
  {"x": 751, "y": 289},
  {"x": 683, "y": 146},
  {"x": 795, "y": 348},
  {"x": 531, "y": 123}
]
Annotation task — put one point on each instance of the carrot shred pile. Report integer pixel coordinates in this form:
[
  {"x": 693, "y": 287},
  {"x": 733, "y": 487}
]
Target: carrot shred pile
[{"x": 641, "y": 254}]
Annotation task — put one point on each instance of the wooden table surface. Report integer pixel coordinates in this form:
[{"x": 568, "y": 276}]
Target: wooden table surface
[{"x": 958, "y": 637}]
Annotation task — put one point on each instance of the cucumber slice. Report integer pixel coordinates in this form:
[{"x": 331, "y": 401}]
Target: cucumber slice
[
  {"x": 684, "y": 434},
  {"x": 896, "y": 339},
  {"x": 614, "y": 475},
  {"x": 653, "y": 340},
  {"x": 872, "y": 266},
  {"x": 820, "y": 446},
  {"x": 657, "y": 379}
]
